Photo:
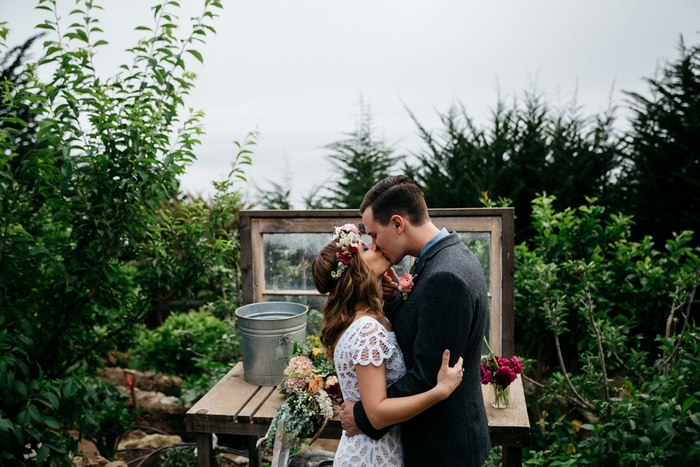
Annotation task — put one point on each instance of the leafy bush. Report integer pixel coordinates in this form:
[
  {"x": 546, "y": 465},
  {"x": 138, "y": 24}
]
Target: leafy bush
[
  {"x": 173, "y": 347},
  {"x": 109, "y": 420},
  {"x": 622, "y": 392},
  {"x": 89, "y": 168}
]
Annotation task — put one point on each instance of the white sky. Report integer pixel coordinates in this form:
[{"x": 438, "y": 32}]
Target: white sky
[{"x": 295, "y": 69}]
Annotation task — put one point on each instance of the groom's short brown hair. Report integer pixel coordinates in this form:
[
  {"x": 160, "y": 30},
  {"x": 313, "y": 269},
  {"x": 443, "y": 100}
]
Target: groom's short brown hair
[{"x": 396, "y": 195}]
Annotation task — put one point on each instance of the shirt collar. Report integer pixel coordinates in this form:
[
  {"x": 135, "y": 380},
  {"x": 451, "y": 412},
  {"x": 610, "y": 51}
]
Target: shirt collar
[{"x": 439, "y": 236}]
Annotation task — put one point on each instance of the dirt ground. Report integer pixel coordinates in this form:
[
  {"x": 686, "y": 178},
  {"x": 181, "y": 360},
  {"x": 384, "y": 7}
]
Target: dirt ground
[{"x": 163, "y": 422}]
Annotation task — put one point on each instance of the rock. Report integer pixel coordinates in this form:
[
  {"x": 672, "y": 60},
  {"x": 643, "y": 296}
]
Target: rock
[
  {"x": 170, "y": 400},
  {"x": 240, "y": 460},
  {"x": 312, "y": 458},
  {"x": 155, "y": 440},
  {"x": 98, "y": 461}
]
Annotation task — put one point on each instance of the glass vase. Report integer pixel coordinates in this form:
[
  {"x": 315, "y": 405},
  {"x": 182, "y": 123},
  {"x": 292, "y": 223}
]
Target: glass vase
[{"x": 501, "y": 396}]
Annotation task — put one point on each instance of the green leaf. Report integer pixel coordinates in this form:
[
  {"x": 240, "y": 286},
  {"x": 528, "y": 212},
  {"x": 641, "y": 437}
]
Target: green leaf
[
  {"x": 42, "y": 454},
  {"x": 695, "y": 418},
  {"x": 5, "y": 424},
  {"x": 688, "y": 403},
  {"x": 21, "y": 388},
  {"x": 34, "y": 412},
  {"x": 52, "y": 423},
  {"x": 196, "y": 54},
  {"x": 23, "y": 417}
]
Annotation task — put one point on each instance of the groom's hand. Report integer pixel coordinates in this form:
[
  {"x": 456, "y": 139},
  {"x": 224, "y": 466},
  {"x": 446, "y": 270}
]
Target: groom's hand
[
  {"x": 390, "y": 285},
  {"x": 347, "y": 419}
]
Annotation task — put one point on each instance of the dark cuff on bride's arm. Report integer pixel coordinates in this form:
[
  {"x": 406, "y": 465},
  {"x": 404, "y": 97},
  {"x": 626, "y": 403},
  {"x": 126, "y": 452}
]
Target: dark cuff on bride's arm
[{"x": 364, "y": 424}]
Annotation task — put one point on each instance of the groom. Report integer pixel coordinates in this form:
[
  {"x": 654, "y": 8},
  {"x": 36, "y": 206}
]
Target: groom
[{"x": 447, "y": 308}]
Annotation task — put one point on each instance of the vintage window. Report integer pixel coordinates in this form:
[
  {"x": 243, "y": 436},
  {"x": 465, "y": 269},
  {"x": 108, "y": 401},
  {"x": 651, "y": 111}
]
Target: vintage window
[{"x": 279, "y": 246}]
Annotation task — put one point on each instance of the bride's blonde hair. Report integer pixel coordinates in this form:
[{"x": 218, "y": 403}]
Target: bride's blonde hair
[{"x": 356, "y": 288}]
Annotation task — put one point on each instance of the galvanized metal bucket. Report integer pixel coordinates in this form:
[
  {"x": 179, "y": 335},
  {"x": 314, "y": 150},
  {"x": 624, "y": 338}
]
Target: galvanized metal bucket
[{"x": 268, "y": 331}]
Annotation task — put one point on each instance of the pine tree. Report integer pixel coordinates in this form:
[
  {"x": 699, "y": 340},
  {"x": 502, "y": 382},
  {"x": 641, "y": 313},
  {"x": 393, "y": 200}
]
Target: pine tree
[
  {"x": 525, "y": 150},
  {"x": 361, "y": 160},
  {"x": 662, "y": 184}
]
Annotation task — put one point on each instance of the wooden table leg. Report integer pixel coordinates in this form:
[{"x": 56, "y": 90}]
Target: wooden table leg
[
  {"x": 254, "y": 456},
  {"x": 512, "y": 456},
  {"x": 205, "y": 456}
]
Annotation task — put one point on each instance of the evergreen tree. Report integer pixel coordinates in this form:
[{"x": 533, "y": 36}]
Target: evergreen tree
[
  {"x": 277, "y": 198},
  {"x": 523, "y": 151},
  {"x": 361, "y": 161},
  {"x": 661, "y": 185}
]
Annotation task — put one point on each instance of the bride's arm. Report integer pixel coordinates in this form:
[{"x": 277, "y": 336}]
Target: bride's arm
[{"x": 383, "y": 411}]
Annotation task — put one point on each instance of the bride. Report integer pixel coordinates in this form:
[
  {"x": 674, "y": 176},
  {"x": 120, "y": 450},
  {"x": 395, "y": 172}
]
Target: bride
[{"x": 367, "y": 357}]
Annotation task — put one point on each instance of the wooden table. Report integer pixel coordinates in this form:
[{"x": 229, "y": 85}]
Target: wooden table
[{"x": 236, "y": 407}]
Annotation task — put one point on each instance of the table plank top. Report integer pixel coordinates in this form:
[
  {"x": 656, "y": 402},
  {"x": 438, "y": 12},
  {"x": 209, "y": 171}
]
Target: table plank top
[{"x": 233, "y": 405}]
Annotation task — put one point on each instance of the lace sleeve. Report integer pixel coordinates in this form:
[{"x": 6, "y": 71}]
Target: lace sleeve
[{"x": 371, "y": 345}]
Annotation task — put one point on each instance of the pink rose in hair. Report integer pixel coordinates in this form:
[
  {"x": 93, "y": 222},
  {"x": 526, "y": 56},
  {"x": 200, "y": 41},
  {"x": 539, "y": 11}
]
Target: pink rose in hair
[
  {"x": 351, "y": 228},
  {"x": 345, "y": 259}
]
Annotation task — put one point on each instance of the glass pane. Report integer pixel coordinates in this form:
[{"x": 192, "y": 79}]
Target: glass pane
[
  {"x": 480, "y": 244},
  {"x": 315, "y": 304},
  {"x": 288, "y": 258}
]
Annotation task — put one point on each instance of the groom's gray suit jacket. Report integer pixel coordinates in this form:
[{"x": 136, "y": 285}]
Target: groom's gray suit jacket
[{"x": 447, "y": 309}]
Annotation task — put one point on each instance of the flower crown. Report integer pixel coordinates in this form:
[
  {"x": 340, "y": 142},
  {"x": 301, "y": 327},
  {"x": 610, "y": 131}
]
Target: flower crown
[{"x": 348, "y": 237}]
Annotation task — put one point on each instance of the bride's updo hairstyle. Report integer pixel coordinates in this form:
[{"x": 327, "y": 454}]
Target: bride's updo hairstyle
[{"x": 356, "y": 288}]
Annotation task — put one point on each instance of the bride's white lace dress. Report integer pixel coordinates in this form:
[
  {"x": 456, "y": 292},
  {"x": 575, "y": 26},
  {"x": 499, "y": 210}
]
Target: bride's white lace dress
[{"x": 367, "y": 342}]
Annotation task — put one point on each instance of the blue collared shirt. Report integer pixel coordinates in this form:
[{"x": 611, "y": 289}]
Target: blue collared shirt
[{"x": 438, "y": 236}]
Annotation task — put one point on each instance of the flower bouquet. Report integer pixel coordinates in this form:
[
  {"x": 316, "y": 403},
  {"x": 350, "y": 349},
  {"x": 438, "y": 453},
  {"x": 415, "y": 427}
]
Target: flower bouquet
[
  {"x": 499, "y": 372},
  {"x": 311, "y": 388}
]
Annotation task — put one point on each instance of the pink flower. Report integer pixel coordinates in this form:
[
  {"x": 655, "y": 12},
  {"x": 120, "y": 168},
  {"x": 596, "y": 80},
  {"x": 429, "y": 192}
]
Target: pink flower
[
  {"x": 406, "y": 283},
  {"x": 345, "y": 259},
  {"x": 298, "y": 373},
  {"x": 486, "y": 376},
  {"x": 504, "y": 376},
  {"x": 502, "y": 361},
  {"x": 516, "y": 365},
  {"x": 351, "y": 228}
]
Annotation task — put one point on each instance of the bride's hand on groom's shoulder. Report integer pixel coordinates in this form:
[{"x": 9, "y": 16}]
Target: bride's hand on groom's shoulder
[{"x": 390, "y": 285}]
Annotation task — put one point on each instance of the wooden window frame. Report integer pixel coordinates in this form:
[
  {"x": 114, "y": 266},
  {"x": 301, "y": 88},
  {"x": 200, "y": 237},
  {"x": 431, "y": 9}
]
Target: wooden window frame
[{"x": 498, "y": 222}]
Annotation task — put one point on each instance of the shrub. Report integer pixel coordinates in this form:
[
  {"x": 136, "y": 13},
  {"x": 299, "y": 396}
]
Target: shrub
[
  {"x": 110, "y": 419},
  {"x": 609, "y": 321},
  {"x": 173, "y": 347}
]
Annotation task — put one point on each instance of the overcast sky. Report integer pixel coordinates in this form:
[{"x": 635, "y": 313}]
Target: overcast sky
[{"x": 295, "y": 70}]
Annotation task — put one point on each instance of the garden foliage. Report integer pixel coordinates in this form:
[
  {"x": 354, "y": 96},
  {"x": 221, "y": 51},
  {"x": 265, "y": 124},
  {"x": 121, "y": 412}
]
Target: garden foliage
[
  {"x": 173, "y": 347},
  {"x": 89, "y": 243},
  {"x": 607, "y": 323}
]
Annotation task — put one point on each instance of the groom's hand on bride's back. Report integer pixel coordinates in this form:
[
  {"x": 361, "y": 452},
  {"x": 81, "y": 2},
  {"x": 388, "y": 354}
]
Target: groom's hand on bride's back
[
  {"x": 390, "y": 285},
  {"x": 347, "y": 419}
]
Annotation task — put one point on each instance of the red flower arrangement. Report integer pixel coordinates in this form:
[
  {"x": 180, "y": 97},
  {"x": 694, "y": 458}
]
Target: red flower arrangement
[{"x": 500, "y": 372}]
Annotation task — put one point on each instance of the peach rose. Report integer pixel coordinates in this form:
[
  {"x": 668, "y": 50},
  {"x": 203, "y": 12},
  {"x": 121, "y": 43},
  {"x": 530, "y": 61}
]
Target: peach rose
[{"x": 316, "y": 384}]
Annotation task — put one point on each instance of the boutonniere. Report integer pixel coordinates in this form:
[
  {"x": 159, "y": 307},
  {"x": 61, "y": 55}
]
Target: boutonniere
[{"x": 406, "y": 282}]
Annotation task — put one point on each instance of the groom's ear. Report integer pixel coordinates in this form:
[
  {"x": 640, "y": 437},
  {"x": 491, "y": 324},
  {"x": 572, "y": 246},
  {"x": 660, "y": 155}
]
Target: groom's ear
[{"x": 398, "y": 223}]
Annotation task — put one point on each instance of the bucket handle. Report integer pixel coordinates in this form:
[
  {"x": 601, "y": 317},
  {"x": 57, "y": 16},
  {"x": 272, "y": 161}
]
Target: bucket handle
[{"x": 285, "y": 340}]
